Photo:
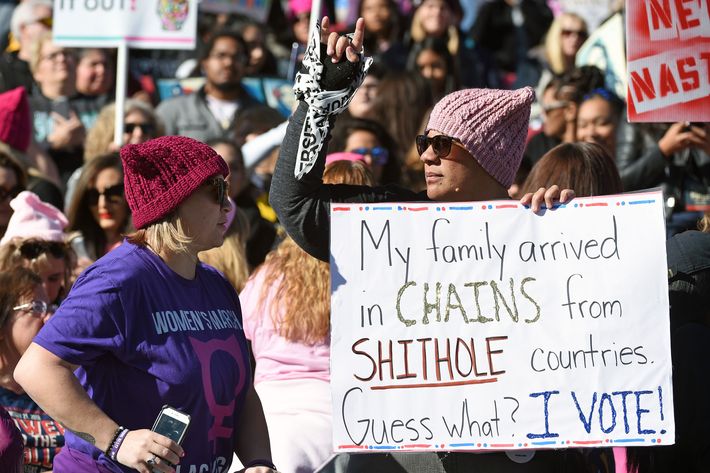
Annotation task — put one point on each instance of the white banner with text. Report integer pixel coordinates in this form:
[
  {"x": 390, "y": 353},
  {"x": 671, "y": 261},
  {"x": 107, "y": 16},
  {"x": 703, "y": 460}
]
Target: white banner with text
[
  {"x": 483, "y": 326},
  {"x": 142, "y": 24}
]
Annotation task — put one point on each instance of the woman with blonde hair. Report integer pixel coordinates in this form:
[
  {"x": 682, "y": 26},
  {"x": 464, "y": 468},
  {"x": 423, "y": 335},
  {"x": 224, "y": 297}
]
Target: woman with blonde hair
[
  {"x": 286, "y": 307},
  {"x": 140, "y": 124},
  {"x": 149, "y": 326},
  {"x": 564, "y": 38}
]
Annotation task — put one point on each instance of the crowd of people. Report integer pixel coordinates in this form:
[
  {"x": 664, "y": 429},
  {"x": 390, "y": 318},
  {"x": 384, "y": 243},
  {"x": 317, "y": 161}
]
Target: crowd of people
[{"x": 110, "y": 304}]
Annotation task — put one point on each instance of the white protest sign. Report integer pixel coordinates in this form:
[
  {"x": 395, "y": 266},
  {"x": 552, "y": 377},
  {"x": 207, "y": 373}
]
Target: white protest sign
[
  {"x": 256, "y": 9},
  {"x": 142, "y": 24},
  {"x": 482, "y": 326}
]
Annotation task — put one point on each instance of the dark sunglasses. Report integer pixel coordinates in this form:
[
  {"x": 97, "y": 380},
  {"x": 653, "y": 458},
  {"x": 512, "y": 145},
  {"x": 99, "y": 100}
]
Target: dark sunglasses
[
  {"x": 11, "y": 193},
  {"x": 441, "y": 144},
  {"x": 113, "y": 194},
  {"x": 580, "y": 33},
  {"x": 34, "y": 248},
  {"x": 146, "y": 128},
  {"x": 379, "y": 154},
  {"x": 48, "y": 21},
  {"x": 220, "y": 187}
]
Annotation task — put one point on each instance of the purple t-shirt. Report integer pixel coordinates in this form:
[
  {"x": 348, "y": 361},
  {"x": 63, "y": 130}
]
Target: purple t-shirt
[{"x": 144, "y": 337}]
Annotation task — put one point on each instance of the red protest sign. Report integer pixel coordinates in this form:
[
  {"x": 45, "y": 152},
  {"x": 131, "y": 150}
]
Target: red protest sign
[{"x": 668, "y": 51}]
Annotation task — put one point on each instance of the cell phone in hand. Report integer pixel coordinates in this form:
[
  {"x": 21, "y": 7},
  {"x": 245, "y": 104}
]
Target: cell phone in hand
[{"x": 172, "y": 424}]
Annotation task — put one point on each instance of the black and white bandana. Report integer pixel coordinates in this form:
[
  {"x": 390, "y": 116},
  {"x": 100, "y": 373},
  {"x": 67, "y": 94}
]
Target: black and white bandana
[{"x": 321, "y": 103}]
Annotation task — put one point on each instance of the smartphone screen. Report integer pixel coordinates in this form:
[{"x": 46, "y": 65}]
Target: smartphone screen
[{"x": 171, "y": 427}]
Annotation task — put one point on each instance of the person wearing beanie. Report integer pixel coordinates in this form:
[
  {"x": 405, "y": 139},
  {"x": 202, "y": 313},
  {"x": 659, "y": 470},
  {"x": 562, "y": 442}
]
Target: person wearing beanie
[
  {"x": 148, "y": 325},
  {"x": 16, "y": 139},
  {"x": 35, "y": 239},
  {"x": 472, "y": 148}
]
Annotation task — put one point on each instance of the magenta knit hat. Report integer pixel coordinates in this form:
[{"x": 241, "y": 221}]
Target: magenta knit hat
[
  {"x": 492, "y": 124},
  {"x": 161, "y": 173},
  {"x": 33, "y": 218},
  {"x": 15, "y": 120}
]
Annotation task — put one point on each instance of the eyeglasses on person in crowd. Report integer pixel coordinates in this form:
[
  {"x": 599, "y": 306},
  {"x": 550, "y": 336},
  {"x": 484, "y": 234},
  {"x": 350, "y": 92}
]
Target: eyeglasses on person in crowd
[
  {"x": 37, "y": 308},
  {"x": 441, "y": 144},
  {"x": 547, "y": 108},
  {"x": 146, "y": 128},
  {"x": 379, "y": 154},
  {"x": 579, "y": 33},
  {"x": 11, "y": 193},
  {"x": 113, "y": 194},
  {"x": 54, "y": 55},
  {"x": 32, "y": 249},
  {"x": 220, "y": 186},
  {"x": 47, "y": 21}
]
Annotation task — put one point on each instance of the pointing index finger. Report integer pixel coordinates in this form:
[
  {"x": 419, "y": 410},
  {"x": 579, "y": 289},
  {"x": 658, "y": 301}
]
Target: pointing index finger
[
  {"x": 359, "y": 35},
  {"x": 324, "y": 25}
]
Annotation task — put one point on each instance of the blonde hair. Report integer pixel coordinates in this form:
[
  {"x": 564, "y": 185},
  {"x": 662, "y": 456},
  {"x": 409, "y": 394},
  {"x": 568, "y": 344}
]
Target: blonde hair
[
  {"x": 704, "y": 223},
  {"x": 302, "y": 281},
  {"x": 100, "y": 136},
  {"x": 553, "y": 43},
  {"x": 164, "y": 235},
  {"x": 36, "y": 49},
  {"x": 418, "y": 34},
  {"x": 231, "y": 258},
  {"x": 352, "y": 172},
  {"x": 303, "y": 288}
]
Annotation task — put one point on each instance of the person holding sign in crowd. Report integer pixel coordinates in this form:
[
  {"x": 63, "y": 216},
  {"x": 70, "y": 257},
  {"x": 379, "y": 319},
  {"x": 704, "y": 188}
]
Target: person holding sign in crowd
[
  {"x": 471, "y": 151},
  {"x": 147, "y": 326},
  {"x": 460, "y": 164}
]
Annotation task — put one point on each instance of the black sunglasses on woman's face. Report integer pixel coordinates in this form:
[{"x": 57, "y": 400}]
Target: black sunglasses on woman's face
[
  {"x": 441, "y": 144},
  {"x": 113, "y": 194},
  {"x": 220, "y": 186}
]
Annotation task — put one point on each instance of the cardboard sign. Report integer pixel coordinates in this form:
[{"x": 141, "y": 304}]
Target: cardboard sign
[
  {"x": 142, "y": 24},
  {"x": 482, "y": 326},
  {"x": 256, "y": 9},
  {"x": 668, "y": 48}
]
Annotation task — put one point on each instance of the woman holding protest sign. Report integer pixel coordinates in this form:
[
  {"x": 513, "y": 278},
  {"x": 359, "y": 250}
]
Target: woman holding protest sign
[
  {"x": 460, "y": 164},
  {"x": 148, "y": 326},
  {"x": 471, "y": 151}
]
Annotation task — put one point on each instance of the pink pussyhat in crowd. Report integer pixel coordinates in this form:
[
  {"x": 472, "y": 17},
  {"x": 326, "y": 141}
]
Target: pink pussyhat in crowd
[
  {"x": 15, "y": 119},
  {"x": 33, "y": 218},
  {"x": 491, "y": 124},
  {"x": 344, "y": 156}
]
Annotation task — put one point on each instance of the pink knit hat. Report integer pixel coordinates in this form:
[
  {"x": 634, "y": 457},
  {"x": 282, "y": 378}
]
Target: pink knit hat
[
  {"x": 33, "y": 218},
  {"x": 343, "y": 156},
  {"x": 15, "y": 121},
  {"x": 161, "y": 173},
  {"x": 492, "y": 125}
]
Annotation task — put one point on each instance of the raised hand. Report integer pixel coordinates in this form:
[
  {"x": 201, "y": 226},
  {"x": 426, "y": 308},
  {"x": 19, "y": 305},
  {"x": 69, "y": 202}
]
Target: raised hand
[{"x": 337, "y": 44}]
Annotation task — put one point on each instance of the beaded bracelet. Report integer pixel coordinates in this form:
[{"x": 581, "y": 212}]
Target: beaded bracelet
[
  {"x": 260, "y": 462},
  {"x": 118, "y": 431},
  {"x": 117, "y": 444},
  {"x": 112, "y": 448}
]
